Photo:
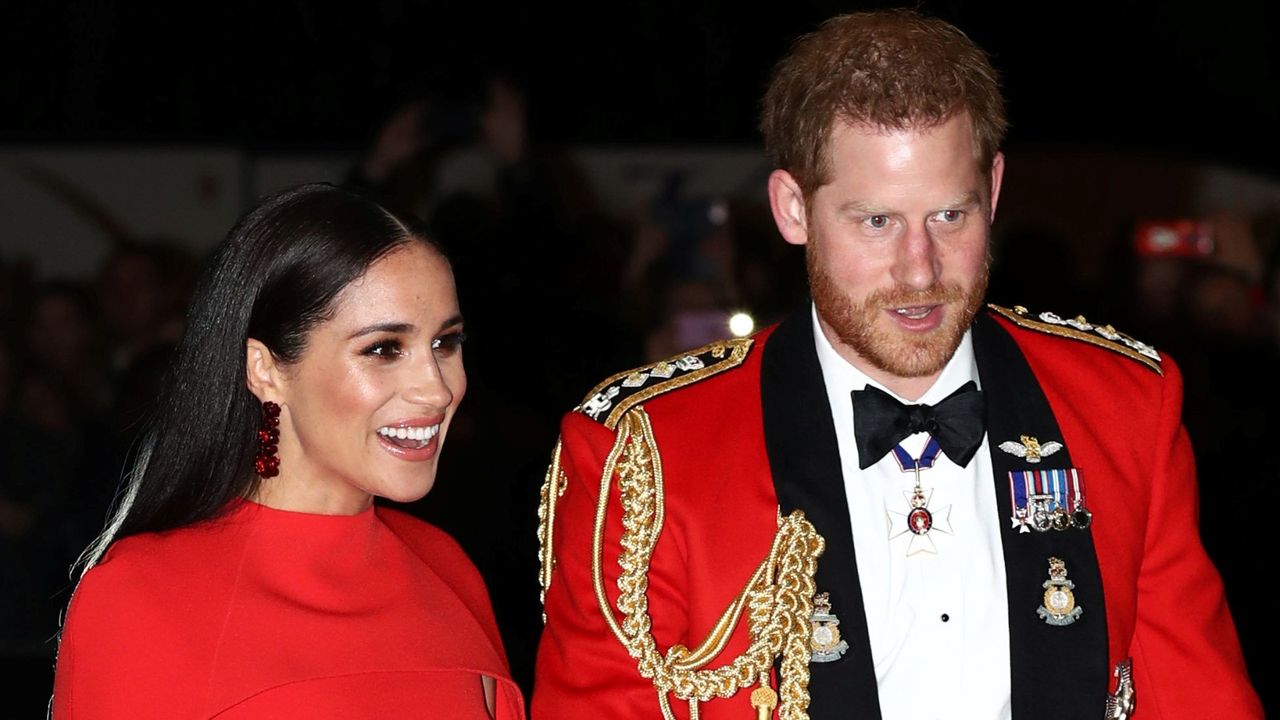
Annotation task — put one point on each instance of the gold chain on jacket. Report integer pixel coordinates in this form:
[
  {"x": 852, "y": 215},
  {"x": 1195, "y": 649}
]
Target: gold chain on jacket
[
  {"x": 553, "y": 486},
  {"x": 778, "y": 599}
]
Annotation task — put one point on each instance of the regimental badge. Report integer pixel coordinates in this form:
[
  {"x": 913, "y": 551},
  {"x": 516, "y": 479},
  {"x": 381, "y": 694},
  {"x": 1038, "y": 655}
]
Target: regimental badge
[
  {"x": 1046, "y": 500},
  {"x": 825, "y": 642},
  {"x": 1121, "y": 703},
  {"x": 1059, "y": 607},
  {"x": 1030, "y": 449}
]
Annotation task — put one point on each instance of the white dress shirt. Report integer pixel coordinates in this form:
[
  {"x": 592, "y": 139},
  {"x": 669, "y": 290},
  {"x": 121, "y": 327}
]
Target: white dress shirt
[{"x": 938, "y": 622}]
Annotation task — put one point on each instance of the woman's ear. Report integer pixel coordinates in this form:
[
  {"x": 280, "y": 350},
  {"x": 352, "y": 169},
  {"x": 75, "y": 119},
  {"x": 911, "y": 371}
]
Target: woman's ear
[{"x": 262, "y": 372}]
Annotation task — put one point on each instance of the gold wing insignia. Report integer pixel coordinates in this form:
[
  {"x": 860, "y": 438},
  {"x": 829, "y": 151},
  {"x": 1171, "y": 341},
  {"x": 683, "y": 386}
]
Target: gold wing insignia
[
  {"x": 1077, "y": 328},
  {"x": 608, "y": 401}
]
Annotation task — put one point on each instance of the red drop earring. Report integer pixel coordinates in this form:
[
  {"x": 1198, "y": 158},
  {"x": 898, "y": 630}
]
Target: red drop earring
[{"x": 266, "y": 462}]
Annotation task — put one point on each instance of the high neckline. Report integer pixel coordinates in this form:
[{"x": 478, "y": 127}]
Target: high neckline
[{"x": 246, "y": 506}]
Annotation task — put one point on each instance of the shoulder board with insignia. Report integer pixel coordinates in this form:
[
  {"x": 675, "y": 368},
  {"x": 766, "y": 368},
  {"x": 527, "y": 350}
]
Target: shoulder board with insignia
[
  {"x": 1104, "y": 336},
  {"x": 610, "y": 399}
]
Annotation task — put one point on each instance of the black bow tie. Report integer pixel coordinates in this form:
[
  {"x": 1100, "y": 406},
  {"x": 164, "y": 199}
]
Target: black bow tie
[{"x": 880, "y": 422}]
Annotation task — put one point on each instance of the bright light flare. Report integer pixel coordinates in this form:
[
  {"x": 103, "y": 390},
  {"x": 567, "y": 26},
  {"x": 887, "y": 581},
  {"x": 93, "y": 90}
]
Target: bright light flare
[{"x": 741, "y": 324}]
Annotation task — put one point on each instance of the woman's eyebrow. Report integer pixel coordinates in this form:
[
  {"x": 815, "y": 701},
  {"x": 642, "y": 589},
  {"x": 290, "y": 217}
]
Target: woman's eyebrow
[
  {"x": 455, "y": 320},
  {"x": 388, "y": 327}
]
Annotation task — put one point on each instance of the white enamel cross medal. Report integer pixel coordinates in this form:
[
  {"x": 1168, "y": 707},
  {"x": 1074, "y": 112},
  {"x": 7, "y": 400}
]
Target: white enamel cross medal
[{"x": 918, "y": 520}]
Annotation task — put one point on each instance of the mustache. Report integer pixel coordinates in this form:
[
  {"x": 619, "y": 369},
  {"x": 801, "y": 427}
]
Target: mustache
[{"x": 901, "y": 296}]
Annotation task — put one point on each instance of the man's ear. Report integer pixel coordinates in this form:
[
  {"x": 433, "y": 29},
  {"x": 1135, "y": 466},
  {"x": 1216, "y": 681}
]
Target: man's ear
[
  {"x": 997, "y": 175},
  {"x": 263, "y": 374},
  {"x": 786, "y": 200}
]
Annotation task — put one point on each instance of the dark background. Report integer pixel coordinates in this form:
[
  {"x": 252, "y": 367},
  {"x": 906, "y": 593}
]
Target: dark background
[
  {"x": 1192, "y": 78},
  {"x": 1183, "y": 82}
]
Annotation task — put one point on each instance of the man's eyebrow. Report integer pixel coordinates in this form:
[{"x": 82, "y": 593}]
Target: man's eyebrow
[
  {"x": 388, "y": 327},
  {"x": 860, "y": 206},
  {"x": 972, "y": 197}
]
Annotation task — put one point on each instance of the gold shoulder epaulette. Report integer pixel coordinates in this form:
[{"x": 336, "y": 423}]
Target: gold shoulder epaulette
[
  {"x": 1077, "y": 328},
  {"x": 610, "y": 399}
]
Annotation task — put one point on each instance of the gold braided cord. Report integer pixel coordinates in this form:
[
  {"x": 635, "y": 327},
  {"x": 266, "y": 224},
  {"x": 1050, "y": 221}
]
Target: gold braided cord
[
  {"x": 777, "y": 600},
  {"x": 1020, "y": 317},
  {"x": 553, "y": 486}
]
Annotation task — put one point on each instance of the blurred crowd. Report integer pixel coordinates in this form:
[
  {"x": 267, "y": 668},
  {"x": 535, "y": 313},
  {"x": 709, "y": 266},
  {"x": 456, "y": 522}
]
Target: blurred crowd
[
  {"x": 558, "y": 294},
  {"x": 79, "y": 363}
]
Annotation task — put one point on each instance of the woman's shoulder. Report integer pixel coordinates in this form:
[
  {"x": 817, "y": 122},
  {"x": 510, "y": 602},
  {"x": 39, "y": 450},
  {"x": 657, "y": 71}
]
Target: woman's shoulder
[
  {"x": 143, "y": 612},
  {"x": 149, "y": 569},
  {"x": 191, "y": 548},
  {"x": 422, "y": 535},
  {"x": 434, "y": 546}
]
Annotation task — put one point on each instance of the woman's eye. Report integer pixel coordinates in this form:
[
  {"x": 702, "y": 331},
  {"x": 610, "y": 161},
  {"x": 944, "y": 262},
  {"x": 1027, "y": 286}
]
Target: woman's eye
[
  {"x": 448, "y": 344},
  {"x": 385, "y": 349}
]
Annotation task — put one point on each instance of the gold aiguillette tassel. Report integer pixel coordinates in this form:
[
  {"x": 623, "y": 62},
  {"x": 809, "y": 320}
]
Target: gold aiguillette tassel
[{"x": 764, "y": 700}]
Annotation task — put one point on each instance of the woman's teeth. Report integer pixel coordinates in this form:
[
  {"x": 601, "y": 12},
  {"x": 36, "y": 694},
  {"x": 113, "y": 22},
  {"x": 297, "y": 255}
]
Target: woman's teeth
[{"x": 410, "y": 437}]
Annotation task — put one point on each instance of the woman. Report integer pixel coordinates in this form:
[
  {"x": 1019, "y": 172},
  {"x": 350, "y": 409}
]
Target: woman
[{"x": 247, "y": 572}]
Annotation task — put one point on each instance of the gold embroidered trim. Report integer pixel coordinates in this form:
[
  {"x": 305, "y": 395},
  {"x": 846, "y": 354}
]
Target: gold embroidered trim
[
  {"x": 553, "y": 486},
  {"x": 1077, "y": 328},
  {"x": 778, "y": 598},
  {"x": 736, "y": 350}
]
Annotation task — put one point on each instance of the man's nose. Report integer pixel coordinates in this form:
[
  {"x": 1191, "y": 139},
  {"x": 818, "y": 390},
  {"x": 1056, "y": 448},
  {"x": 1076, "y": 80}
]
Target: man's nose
[{"x": 916, "y": 264}]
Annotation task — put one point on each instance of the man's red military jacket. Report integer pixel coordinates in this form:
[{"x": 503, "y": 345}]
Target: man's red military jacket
[{"x": 751, "y": 434}]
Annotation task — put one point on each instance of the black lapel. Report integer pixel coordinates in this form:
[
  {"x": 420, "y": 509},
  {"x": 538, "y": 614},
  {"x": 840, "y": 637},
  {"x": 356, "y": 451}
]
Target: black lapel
[
  {"x": 1057, "y": 672},
  {"x": 800, "y": 438}
]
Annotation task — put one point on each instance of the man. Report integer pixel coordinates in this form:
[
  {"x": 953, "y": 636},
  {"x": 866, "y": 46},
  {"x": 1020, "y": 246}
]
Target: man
[{"x": 894, "y": 504}]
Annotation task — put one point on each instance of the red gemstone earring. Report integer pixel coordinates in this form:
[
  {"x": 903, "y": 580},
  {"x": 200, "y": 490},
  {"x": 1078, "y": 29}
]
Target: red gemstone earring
[{"x": 266, "y": 462}]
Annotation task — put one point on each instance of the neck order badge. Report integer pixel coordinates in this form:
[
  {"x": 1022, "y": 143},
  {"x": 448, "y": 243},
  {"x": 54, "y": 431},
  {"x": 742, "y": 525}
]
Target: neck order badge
[{"x": 919, "y": 519}]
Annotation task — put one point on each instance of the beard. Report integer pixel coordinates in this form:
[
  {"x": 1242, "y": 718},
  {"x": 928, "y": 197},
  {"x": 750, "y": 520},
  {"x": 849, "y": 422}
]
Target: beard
[{"x": 895, "y": 351}]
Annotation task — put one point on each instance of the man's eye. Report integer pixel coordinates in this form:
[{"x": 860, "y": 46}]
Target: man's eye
[
  {"x": 384, "y": 348},
  {"x": 448, "y": 344},
  {"x": 879, "y": 222},
  {"x": 950, "y": 215}
]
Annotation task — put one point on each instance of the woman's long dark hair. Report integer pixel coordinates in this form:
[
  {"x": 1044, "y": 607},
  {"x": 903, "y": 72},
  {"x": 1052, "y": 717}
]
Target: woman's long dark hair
[{"x": 274, "y": 278}]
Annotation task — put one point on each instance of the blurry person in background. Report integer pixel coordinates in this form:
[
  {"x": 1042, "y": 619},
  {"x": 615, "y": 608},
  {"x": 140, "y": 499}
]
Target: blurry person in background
[
  {"x": 247, "y": 571},
  {"x": 141, "y": 292},
  {"x": 64, "y": 337},
  {"x": 52, "y": 442},
  {"x": 681, "y": 275}
]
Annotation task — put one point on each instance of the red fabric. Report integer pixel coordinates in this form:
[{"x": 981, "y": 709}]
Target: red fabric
[
  {"x": 1121, "y": 422},
  {"x": 720, "y": 518},
  {"x": 266, "y": 613},
  {"x": 1165, "y": 605}
]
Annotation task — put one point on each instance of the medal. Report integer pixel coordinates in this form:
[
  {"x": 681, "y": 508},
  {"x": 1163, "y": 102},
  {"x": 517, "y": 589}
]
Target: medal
[
  {"x": 1059, "y": 607},
  {"x": 1046, "y": 500},
  {"x": 825, "y": 643},
  {"x": 918, "y": 519},
  {"x": 1080, "y": 515}
]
